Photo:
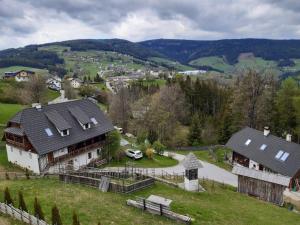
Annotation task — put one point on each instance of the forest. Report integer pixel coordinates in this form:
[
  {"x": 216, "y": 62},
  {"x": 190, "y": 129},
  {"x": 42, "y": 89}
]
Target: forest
[{"x": 193, "y": 112}]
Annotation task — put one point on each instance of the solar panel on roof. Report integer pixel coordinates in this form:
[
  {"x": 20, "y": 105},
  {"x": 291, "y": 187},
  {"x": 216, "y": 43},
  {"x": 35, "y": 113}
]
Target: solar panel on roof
[
  {"x": 279, "y": 154},
  {"x": 284, "y": 156}
]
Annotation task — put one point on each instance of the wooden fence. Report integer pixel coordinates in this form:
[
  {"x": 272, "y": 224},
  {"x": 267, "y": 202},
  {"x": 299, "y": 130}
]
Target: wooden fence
[
  {"x": 94, "y": 180},
  {"x": 158, "y": 209},
  {"x": 20, "y": 215}
]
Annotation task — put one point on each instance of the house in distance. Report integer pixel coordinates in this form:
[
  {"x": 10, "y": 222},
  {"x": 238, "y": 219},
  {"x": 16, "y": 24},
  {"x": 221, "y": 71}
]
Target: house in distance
[
  {"x": 265, "y": 164},
  {"x": 45, "y": 138},
  {"x": 19, "y": 76}
]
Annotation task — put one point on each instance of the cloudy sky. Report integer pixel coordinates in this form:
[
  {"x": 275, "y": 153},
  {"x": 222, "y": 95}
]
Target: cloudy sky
[{"x": 24, "y": 22}]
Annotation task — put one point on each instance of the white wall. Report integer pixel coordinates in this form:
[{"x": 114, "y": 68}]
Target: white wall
[
  {"x": 191, "y": 185},
  {"x": 60, "y": 152},
  {"x": 21, "y": 78},
  {"x": 78, "y": 161},
  {"x": 23, "y": 158}
]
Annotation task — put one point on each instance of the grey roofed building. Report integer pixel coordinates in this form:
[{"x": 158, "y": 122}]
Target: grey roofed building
[
  {"x": 34, "y": 123},
  {"x": 191, "y": 162},
  {"x": 263, "y": 149}
]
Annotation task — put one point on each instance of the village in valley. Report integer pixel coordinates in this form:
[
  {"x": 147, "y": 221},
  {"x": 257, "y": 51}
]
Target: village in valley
[{"x": 202, "y": 130}]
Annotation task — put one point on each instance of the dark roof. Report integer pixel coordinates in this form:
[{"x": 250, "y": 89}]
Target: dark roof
[
  {"x": 34, "y": 122},
  {"x": 266, "y": 157},
  {"x": 13, "y": 74},
  {"x": 16, "y": 118},
  {"x": 81, "y": 116},
  {"x": 58, "y": 121},
  {"x": 14, "y": 130},
  {"x": 191, "y": 162}
]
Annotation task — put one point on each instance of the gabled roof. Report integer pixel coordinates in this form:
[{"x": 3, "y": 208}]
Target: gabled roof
[
  {"x": 81, "y": 116},
  {"x": 261, "y": 175},
  {"x": 58, "y": 121},
  {"x": 266, "y": 157},
  {"x": 191, "y": 162},
  {"x": 14, "y": 130},
  {"x": 34, "y": 122}
]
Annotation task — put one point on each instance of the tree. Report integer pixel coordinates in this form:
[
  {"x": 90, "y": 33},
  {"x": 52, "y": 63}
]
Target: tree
[
  {"x": 7, "y": 197},
  {"x": 70, "y": 92},
  {"x": 87, "y": 90},
  {"x": 75, "y": 219},
  {"x": 119, "y": 109},
  {"x": 56, "y": 220},
  {"x": 195, "y": 131},
  {"x": 112, "y": 145},
  {"x": 38, "y": 212},
  {"x": 285, "y": 105},
  {"x": 152, "y": 136},
  {"x": 159, "y": 147},
  {"x": 35, "y": 89},
  {"x": 22, "y": 204}
]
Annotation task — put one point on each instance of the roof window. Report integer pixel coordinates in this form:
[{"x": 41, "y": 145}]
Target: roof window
[
  {"x": 49, "y": 132},
  {"x": 284, "y": 156},
  {"x": 248, "y": 142},
  {"x": 279, "y": 154},
  {"x": 263, "y": 147},
  {"x": 94, "y": 121}
]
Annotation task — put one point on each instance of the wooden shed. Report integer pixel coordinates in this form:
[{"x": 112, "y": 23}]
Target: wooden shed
[{"x": 263, "y": 185}]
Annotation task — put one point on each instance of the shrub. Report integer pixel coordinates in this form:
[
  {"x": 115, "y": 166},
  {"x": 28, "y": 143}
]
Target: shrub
[
  {"x": 38, "y": 212},
  {"x": 56, "y": 220},
  {"x": 119, "y": 155},
  {"x": 75, "y": 219},
  {"x": 150, "y": 153},
  {"x": 22, "y": 204},
  {"x": 159, "y": 147},
  {"x": 27, "y": 174},
  {"x": 112, "y": 142},
  {"x": 7, "y": 197}
]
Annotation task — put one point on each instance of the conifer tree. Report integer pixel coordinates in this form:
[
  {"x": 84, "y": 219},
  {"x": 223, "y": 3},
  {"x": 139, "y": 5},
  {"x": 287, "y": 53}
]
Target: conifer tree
[
  {"x": 7, "y": 197},
  {"x": 22, "y": 204},
  {"x": 75, "y": 219},
  {"x": 38, "y": 212},
  {"x": 195, "y": 131},
  {"x": 56, "y": 220}
]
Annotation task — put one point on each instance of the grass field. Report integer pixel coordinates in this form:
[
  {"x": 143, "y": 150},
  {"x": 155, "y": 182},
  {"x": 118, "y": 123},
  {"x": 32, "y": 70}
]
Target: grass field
[
  {"x": 159, "y": 82},
  {"x": 217, "y": 158},
  {"x": 51, "y": 95},
  {"x": 166, "y": 62},
  {"x": 157, "y": 161},
  {"x": 219, "y": 205},
  {"x": 7, "y": 111}
]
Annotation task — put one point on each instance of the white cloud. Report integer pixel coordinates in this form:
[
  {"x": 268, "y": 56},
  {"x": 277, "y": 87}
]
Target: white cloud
[{"x": 29, "y": 21}]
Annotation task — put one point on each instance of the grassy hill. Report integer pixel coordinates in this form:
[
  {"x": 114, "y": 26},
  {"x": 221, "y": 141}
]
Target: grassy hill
[{"x": 219, "y": 205}]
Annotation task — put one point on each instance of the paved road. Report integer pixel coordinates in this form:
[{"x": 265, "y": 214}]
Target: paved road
[{"x": 208, "y": 171}]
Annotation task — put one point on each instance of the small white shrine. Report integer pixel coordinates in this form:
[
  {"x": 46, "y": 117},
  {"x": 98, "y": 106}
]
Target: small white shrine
[{"x": 191, "y": 165}]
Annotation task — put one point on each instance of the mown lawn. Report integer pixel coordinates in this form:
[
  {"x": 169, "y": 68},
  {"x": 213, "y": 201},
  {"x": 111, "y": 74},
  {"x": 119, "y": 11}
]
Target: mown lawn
[
  {"x": 216, "y": 158},
  {"x": 51, "y": 95},
  {"x": 7, "y": 111},
  {"x": 157, "y": 161},
  {"x": 219, "y": 205}
]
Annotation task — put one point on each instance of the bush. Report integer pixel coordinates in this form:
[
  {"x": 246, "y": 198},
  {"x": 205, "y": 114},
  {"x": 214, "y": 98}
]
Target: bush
[
  {"x": 141, "y": 137},
  {"x": 22, "y": 204},
  {"x": 7, "y": 197},
  {"x": 159, "y": 147},
  {"x": 112, "y": 143},
  {"x": 119, "y": 155},
  {"x": 38, "y": 212},
  {"x": 27, "y": 174},
  {"x": 75, "y": 219},
  {"x": 56, "y": 220},
  {"x": 150, "y": 153}
]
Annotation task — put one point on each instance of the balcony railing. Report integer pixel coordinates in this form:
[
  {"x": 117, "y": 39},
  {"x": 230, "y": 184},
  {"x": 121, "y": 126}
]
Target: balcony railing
[
  {"x": 77, "y": 151},
  {"x": 15, "y": 143}
]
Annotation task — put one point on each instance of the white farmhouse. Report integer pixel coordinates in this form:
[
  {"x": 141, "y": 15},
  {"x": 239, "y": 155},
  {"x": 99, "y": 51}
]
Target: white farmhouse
[
  {"x": 76, "y": 82},
  {"x": 57, "y": 136},
  {"x": 19, "y": 76}
]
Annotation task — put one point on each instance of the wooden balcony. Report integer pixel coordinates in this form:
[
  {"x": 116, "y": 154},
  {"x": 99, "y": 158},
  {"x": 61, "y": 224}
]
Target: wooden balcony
[
  {"x": 77, "y": 151},
  {"x": 23, "y": 145}
]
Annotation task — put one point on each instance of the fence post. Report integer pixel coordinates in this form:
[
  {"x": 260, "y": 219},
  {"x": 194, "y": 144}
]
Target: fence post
[
  {"x": 144, "y": 204},
  {"x": 161, "y": 209}
]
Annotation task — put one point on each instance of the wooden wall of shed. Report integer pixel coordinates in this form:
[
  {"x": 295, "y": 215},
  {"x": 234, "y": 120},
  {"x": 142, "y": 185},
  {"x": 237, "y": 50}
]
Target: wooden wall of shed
[{"x": 263, "y": 190}]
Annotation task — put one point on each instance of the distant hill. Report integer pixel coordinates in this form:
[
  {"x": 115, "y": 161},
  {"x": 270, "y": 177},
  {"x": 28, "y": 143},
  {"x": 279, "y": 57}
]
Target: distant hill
[
  {"x": 185, "y": 51},
  {"x": 223, "y": 56}
]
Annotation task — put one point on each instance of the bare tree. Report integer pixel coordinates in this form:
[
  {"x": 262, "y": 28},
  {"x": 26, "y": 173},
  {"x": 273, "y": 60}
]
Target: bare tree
[
  {"x": 70, "y": 92},
  {"x": 35, "y": 89}
]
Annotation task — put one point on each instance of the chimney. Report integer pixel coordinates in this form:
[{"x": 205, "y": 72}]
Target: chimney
[
  {"x": 266, "y": 131},
  {"x": 289, "y": 137},
  {"x": 38, "y": 106}
]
